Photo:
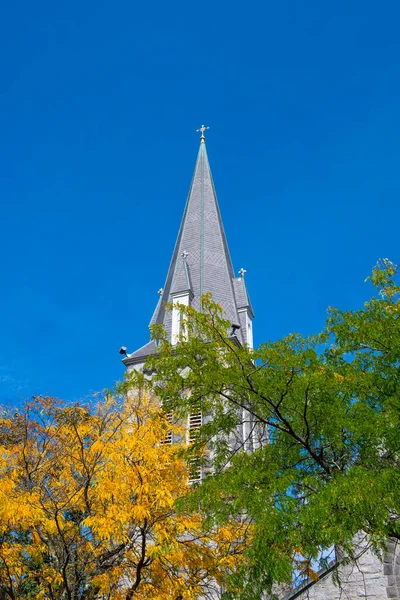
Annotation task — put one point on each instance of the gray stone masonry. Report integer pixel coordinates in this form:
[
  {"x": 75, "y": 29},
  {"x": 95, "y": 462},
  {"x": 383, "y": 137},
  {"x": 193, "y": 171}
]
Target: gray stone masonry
[{"x": 371, "y": 577}]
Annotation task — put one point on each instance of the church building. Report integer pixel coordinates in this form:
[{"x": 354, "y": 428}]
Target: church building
[{"x": 201, "y": 263}]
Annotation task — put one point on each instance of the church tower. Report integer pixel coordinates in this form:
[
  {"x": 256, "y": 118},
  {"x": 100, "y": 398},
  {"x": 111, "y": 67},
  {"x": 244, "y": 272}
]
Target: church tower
[{"x": 200, "y": 263}]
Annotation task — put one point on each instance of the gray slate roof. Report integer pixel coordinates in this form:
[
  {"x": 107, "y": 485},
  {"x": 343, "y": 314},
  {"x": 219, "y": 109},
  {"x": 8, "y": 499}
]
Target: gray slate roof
[{"x": 201, "y": 261}]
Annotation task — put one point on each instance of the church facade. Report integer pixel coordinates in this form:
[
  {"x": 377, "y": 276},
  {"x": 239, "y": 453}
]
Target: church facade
[{"x": 201, "y": 263}]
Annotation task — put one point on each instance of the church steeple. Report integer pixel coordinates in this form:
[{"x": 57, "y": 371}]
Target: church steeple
[{"x": 201, "y": 261}]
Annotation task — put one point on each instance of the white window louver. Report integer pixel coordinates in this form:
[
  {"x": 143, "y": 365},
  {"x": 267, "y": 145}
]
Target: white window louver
[
  {"x": 168, "y": 437},
  {"x": 195, "y": 422}
]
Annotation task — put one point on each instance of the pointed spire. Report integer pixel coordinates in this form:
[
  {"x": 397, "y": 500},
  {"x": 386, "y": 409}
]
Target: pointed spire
[
  {"x": 207, "y": 265},
  {"x": 201, "y": 261}
]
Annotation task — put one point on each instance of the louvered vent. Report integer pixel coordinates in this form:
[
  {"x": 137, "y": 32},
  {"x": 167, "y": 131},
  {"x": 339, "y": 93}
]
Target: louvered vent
[
  {"x": 195, "y": 421},
  {"x": 168, "y": 437}
]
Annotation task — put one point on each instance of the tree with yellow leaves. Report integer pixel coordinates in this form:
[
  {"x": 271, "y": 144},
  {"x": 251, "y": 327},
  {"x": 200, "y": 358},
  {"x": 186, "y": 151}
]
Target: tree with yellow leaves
[{"x": 88, "y": 507}]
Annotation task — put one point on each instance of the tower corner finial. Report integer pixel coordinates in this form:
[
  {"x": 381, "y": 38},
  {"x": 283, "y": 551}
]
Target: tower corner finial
[{"x": 202, "y": 130}]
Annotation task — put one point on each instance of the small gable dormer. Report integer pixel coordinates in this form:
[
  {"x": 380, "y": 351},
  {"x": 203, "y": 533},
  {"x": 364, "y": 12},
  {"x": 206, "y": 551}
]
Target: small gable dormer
[
  {"x": 181, "y": 295},
  {"x": 244, "y": 308}
]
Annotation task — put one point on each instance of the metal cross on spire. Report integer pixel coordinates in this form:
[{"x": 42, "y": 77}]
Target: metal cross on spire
[{"x": 202, "y": 129}]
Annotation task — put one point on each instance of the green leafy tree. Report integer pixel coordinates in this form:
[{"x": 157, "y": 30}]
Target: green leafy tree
[{"x": 329, "y": 407}]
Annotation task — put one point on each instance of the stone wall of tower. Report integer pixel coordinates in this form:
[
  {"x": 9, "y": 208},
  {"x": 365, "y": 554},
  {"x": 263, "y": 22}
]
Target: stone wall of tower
[{"x": 372, "y": 577}]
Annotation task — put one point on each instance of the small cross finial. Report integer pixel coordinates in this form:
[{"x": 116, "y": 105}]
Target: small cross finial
[
  {"x": 160, "y": 292},
  {"x": 242, "y": 272},
  {"x": 202, "y": 129},
  {"x": 184, "y": 254}
]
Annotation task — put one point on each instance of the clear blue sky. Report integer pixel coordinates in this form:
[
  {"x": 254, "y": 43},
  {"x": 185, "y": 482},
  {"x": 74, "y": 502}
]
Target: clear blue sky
[{"x": 99, "y": 102}]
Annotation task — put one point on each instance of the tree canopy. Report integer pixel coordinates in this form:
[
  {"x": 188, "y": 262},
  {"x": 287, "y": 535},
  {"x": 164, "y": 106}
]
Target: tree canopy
[
  {"x": 300, "y": 450},
  {"x": 88, "y": 506},
  {"x": 329, "y": 407}
]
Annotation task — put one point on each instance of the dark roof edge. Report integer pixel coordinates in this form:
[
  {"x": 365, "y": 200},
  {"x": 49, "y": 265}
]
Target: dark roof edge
[
  {"x": 303, "y": 587},
  {"x": 136, "y": 360}
]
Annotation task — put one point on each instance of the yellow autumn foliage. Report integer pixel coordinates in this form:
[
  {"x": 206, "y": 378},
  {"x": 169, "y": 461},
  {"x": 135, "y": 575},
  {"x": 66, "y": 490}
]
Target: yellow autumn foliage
[{"x": 88, "y": 506}]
